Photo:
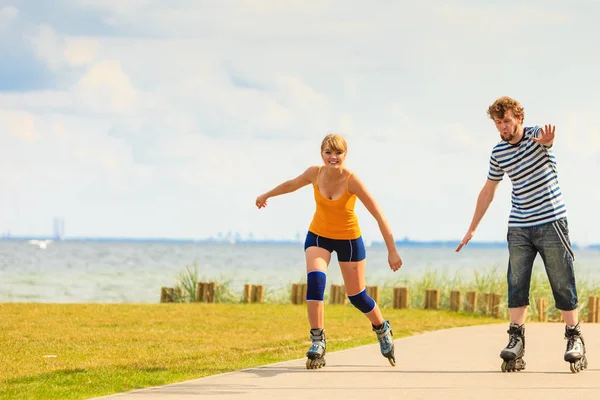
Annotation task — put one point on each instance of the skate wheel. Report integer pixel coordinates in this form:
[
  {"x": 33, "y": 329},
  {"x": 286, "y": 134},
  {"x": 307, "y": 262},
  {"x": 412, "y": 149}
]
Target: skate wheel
[
  {"x": 503, "y": 366},
  {"x": 315, "y": 364},
  {"x": 392, "y": 361},
  {"x": 573, "y": 368}
]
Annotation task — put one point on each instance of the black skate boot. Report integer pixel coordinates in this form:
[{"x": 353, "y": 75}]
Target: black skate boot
[
  {"x": 316, "y": 352},
  {"x": 514, "y": 351},
  {"x": 386, "y": 343},
  {"x": 575, "y": 353}
]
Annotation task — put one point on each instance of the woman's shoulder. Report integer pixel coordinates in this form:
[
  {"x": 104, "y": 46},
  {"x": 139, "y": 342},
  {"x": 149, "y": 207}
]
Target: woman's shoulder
[
  {"x": 351, "y": 175},
  {"x": 312, "y": 172}
]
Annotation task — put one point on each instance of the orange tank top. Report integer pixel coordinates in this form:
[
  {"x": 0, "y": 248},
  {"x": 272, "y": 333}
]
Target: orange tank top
[{"x": 334, "y": 219}]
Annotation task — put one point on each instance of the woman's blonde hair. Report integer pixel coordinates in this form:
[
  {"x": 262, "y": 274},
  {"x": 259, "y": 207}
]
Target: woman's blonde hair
[{"x": 334, "y": 142}]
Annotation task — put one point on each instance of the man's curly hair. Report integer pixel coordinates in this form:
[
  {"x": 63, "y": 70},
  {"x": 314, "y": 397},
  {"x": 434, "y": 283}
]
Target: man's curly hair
[{"x": 504, "y": 104}]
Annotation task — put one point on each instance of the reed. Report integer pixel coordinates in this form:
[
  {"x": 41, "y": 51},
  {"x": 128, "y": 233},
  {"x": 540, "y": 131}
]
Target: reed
[{"x": 485, "y": 280}]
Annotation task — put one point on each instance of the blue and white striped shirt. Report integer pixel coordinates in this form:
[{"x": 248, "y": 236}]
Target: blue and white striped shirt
[{"x": 531, "y": 167}]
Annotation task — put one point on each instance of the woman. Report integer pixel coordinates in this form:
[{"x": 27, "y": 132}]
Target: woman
[{"x": 335, "y": 228}]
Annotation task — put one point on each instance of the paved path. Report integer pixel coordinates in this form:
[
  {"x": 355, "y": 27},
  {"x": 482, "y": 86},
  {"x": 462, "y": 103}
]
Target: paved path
[{"x": 459, "y": 363}]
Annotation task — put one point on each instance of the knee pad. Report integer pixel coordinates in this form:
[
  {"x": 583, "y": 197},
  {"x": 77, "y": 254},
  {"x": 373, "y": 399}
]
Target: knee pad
[
  {"x": 362, "y": 301},
  {"x": 315, "y": 285}
]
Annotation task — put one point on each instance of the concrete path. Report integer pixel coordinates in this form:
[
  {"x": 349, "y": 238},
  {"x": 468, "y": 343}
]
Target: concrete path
[{"x": 459, "y": 363}]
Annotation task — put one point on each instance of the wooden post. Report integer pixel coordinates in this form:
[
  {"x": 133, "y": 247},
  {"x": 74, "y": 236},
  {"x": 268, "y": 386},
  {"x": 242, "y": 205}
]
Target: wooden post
[
  {"x": 247, "y": 293},
  {"x": 593, "y": 309},
  {"x": 200, "y": 292},
  {"x": 400, "y": 297},
  {"x": 334, "y": 296},
  {"x": 495, "y": 304},
  {"x": 455, "y": 300},
  {"x": 206, "y": 292},
  {"x": 486, "y": 306},
  {"x": 168, "y": 295},
  {"x": 471, "y": 304},
  {"x": 432, "y": 299},
  {"x": 303, "y": 296},
  {"x": 342, "y": 298},
  {"x": 257, "y": 293},
  {"x": 338, "y": 294},
  {"x": 597, "y": 313},
  {"x": 541, "y": 306},
  {"x": 373, "y": 292},
  {"x": 294, "y": 293},
  {"x": 592, "y": 306},
  {"x": 299, "y": 293},
  {"x": 163, "y": 295},
  {"x": 211, "y": 292},
  {"x": 435, "y": 299}
]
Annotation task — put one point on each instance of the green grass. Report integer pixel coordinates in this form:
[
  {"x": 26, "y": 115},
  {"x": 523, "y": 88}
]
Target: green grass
[{"x": 77, "y": 351}]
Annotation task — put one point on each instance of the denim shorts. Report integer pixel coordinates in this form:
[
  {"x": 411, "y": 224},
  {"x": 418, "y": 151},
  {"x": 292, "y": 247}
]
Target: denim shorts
[
  {"x": 346, "y": 249},
  {"x": 551, "y": 241}
]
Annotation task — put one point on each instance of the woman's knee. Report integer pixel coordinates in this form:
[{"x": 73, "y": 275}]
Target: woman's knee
[{"x": 363, "y": 301}]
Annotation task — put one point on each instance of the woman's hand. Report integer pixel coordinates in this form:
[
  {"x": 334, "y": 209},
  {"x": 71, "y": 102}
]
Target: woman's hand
[
  {"x": 394, "y": 260},
  {"x": 261, "y": 201}
]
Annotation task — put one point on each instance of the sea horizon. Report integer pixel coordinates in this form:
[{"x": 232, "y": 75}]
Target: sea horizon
[{"x": 406, "y": 242}]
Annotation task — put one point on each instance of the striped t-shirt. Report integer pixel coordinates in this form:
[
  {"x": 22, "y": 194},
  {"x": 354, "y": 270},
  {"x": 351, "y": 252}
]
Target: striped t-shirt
[{"x": 531, "y": 167}]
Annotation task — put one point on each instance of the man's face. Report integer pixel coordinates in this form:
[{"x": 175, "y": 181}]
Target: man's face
[{"x": 508, "y": 126}]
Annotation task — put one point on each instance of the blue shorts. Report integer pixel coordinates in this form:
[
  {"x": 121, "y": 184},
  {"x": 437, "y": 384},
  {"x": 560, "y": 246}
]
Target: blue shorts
[{"x": 346, "y": 249}]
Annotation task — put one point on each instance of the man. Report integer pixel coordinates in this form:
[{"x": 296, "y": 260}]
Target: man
[{"x": 537, "y": 224}]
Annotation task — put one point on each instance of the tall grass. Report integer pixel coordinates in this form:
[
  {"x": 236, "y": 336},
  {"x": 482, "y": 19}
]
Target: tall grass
[{"x": 487, "y": 280}]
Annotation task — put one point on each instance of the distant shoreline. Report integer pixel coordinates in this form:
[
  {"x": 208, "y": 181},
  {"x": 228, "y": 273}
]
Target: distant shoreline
[{"x": 272, "y": 242}]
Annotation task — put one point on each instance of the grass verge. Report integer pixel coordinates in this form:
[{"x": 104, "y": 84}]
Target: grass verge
[{"x": 78, "y": 351}]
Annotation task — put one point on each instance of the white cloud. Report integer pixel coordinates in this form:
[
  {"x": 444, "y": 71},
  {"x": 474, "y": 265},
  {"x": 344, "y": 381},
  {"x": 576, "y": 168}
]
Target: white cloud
[
  {"x": 18, "y": 123},
  {"x": 7, "y": 15},
  {"x": 48, "y": 46},
  {"x": 106, "y": 88},
  {"x": 80, "y": 52}
]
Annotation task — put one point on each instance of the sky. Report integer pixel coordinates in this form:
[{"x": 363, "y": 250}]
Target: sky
[{"x": 146, "y": 118}]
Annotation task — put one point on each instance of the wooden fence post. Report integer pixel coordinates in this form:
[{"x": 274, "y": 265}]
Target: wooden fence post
[
  {"x": 541, "y": 306},
  {"x": 373, "y": 292},
  {"x": 294, "y": 293},
  {"x": 163, "y": 294},
  {"x": 593, "y": 309},
  {"x": 170, "y": 295},
  {"x": 455, "y": 300},
  {"x": 432, "y": 299},
  {"x": 299, "y": 293},
  {"x": 342, "y": 298},
  {"x": 337, "y": 294},
  {"x": 471, "y": 304},
  {"x": 258, "y": 292},
  {"x": 201, "y": 293},
  {"x": 495, "y": 304},
  {"x": 400, "y": 297},
  {"x": 206, "y": 292},
  {"x": 486, "y": 305},
  {"x": 247, "y": 293}
]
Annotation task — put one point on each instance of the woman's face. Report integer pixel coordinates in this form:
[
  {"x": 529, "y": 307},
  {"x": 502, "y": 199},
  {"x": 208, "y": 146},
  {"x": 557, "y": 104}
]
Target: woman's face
[{"x": 333, "y": 158}]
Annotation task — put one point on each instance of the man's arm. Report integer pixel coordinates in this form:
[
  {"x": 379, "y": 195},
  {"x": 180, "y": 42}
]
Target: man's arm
[{"x": 486, "y": 195}]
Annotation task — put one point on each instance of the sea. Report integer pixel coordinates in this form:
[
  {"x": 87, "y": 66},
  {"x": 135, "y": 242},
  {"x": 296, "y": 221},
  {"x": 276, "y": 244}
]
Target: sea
[{"x": 125, "y": 271}]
